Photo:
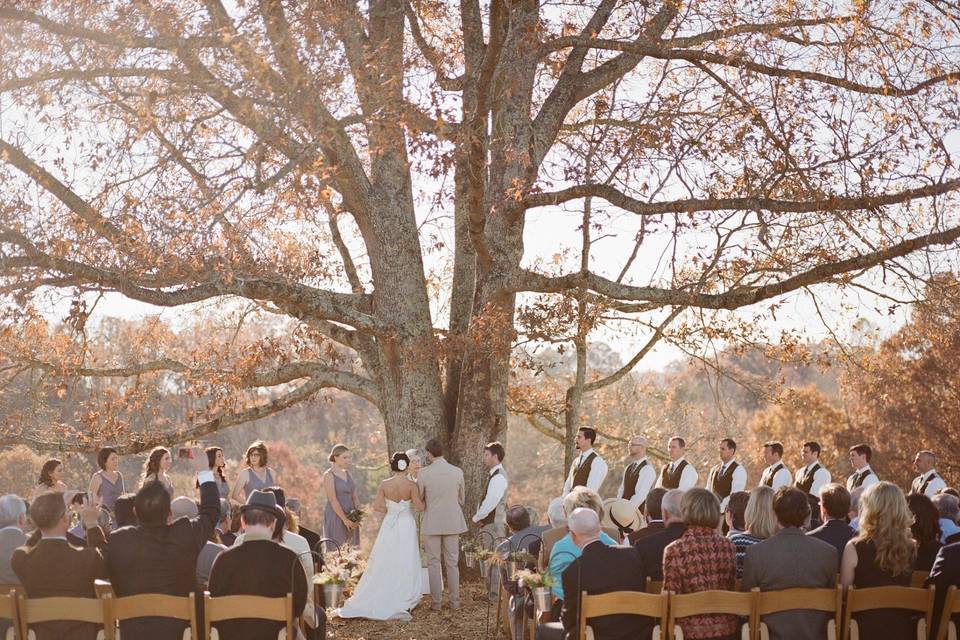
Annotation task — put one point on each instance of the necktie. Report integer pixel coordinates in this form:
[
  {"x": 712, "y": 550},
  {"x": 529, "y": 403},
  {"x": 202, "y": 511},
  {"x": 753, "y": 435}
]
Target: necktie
[{"x": 671, "y": 467}]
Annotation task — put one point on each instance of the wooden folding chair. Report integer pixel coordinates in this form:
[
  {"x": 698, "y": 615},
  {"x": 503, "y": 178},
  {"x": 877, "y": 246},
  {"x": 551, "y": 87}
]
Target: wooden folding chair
[
  {"x": 907, "y": 598},
  {"x": 951, "y": 606},
  {"x": 158, "y": 605},
  {"x": 918, "y": 578},
  {"x": 246, "y": 606},
  {"x": 623, "y": 602},
  {"x": 34, "y": 610},
  {"x": 713, "y": 602},
  {"x": 654, "y": 586},
  {"x": 9, "y": 611},
  {"x": 826, "y": 600}
]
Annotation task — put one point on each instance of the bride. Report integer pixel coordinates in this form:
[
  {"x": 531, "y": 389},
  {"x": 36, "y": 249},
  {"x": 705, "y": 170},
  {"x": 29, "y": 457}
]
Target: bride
[{"x": 391, "y": 584}]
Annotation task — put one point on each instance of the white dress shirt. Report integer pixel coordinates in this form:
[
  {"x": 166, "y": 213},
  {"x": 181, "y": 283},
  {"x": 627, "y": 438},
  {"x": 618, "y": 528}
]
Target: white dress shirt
[
  {"x": 870, "y": 480},
  {"x": 645, "y": 481},
  {"x": 598, "y": 472},
  {"x": 781, "y": 478},
  {"x": 688, "y": 479},
  {"x": 737, "y": 483},
  {"x": 935, "y": 485},
  {"x": 495, "y": 492},
  {"x": 820, "y": 477}
]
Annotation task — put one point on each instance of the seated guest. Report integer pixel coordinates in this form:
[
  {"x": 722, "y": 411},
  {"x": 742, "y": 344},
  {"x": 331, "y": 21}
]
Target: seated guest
[
  {"x": 599, "y": 569},
  {"x": 834, "y": 507},
  {"x": 760, "y": 520},
  {"x": 944, "y": 574},
  {"x": 949, "y": 508},
  {"x": 184, "y": 507},
  {"x": 791, "y": 559},
  {"x": 523, "y": 537},
  {"x": 54, "y": 568},
  {"x": 123, "y": 510},
  {"x": 565, "y": 550},
  {"x": 925, "y": 530},
  {"x": 214, "y": 546},
  {"x": 258, "y": 566},
  {"x": 13, "y": 521},
  {"x": 651, "y": 547},
  {"x": 653, "y": 512},
  {"x": 294, "y": 507},
  {"x": 702, "y": 559},
  {"x": 568, "y": 504},
  {"x": 735, "y": 513},
  {"x": 853, "y": 516},
  {"x": 882, "y": 554},
  {"x": 558, "y": 523},
  {"x": 621, "y": 515},
  {"x": 159, "y": 555}
]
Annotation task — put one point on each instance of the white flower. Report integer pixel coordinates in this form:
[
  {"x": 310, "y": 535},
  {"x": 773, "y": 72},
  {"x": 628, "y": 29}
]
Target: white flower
[{"x": 401, "y": 465}]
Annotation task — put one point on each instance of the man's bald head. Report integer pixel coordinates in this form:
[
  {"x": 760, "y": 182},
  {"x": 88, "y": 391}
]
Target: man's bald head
[{"x": 584, "y": 525}]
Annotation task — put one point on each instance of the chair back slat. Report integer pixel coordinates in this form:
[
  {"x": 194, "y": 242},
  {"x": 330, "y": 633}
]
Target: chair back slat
[
  {"x": 622, "y": 602},
  {"x": 892, "y": 597},
  {"x": 247, "y": 606},
  {"x": 711, "y": 602},
  {"x": 62, "y": 609},
  {"x": 828, "y": 600},
  {"x": 160, "y": 605}
]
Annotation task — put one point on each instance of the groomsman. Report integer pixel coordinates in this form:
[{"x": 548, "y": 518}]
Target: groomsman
[
  {"x": 863, "y": 475},
  {"x": 679, "y": 474},
  {"x": 929, "y": 481},
  {"x": 812, "y": 476},
  {"x": 589, "y": 469},
  {"x": 776, "y": 474},
  {"x": 639, "y": 476},
  {"x": 728, "y": 476},
  {"x": 492, "y": 512}
]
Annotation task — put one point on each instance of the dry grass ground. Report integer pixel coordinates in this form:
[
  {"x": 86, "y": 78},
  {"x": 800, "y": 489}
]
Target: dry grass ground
[{"x": 466, "y": 623}]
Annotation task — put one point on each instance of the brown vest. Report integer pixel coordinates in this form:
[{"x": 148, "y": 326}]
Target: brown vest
[{"x": 672, "y": 480}]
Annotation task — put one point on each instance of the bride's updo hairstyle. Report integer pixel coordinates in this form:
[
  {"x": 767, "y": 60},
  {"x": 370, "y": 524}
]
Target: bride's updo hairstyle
[{"x": 399, "y": 461}]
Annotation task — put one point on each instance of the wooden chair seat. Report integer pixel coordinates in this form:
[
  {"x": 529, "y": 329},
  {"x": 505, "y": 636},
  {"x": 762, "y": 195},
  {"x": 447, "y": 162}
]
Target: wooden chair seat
[
  {"x": 623, "y": 602},
  {"x": 826, "y": 600},
  {"x": 247, "y": 606},
  {"x": 712, "y": 602},
  {"x": 893, "y": 597}
]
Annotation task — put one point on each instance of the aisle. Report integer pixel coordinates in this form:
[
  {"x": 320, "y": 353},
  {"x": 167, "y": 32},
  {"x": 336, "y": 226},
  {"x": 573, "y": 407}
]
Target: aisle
[{"x": 467, "y": 623}]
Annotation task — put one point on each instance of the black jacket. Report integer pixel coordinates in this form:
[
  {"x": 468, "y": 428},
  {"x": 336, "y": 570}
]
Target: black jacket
[
  {"x": 143, "y": 559},
  {"x": 835, "y": 532},
  {"x": 603, "y": 569},
  {"x": 261, "y": 568},
  {"x": 944, "y": 574},
  {"x": 651, "y": 548}
]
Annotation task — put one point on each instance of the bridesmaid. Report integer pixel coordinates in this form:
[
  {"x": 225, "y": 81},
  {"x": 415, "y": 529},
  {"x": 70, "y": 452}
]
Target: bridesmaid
[
  {"x": 106, "y": 485},
  {"x": 256, "y": 476},
  {"x": 341, "y": 499},
  {"x": 155, "y": 468},
  {"x": 217, "y": 462},
  {"x": 51, "y": 479}
]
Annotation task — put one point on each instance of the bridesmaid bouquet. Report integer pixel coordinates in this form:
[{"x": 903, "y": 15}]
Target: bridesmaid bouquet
[{"x": 355, "y": 515}]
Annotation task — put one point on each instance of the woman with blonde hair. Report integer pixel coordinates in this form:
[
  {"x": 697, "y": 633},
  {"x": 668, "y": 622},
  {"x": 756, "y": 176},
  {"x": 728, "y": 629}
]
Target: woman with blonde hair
[
  {"x": 761, "y": 522},
  {"x": 881, "y": 555},
  {"x": 341, "y": 494}
]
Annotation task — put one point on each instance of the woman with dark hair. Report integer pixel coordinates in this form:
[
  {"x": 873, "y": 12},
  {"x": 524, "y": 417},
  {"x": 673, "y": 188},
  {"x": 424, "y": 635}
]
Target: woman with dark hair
[
  {"x": 925, "y": 530},
  {"x": 51, "y": 479},
  {"x": 256, "y": 476},
  {"x": 341, "y": 494},
  {"x": 106, "y": 485},
  {"x": 391, "y": 585},
  {"x": 217, "y": 462},
  {"x": 155, "y": 468}
]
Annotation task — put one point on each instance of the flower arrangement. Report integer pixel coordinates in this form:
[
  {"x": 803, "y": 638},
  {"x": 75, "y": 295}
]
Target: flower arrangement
[
  {"x": 520, "y": 557},
  {"x": 468, "y": 546},
  {"x": 332, "y": 576},
  {"x": 484, "y": 555},
  {"x": 533, "y": 580},
  {"x": 356, "y": 515}
]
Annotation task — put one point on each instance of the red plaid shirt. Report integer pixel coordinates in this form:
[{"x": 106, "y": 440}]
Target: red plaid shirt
[{"x": 701, "y": 560}]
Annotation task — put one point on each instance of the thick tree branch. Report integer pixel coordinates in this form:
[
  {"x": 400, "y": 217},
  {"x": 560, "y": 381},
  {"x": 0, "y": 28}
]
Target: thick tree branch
[{"x": 434, "y": 57}]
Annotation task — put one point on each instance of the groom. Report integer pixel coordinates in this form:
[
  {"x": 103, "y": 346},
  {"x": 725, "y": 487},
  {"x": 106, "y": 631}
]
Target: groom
[{"x": 441, "y": 487}]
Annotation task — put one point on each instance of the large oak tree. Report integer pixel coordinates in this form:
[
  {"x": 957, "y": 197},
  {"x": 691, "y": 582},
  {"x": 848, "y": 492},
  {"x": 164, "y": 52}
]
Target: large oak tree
[{"x": 299, "y": 154}]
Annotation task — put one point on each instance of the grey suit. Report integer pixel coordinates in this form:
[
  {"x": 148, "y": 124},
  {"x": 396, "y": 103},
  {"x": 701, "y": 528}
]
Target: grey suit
[
  {"x": 442, "y": 490},
  {"x": 10, "y": 539},
  {"x": 787, "y": 560}
]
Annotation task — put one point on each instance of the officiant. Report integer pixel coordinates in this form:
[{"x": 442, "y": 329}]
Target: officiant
[{"x": 491, "y": 514}]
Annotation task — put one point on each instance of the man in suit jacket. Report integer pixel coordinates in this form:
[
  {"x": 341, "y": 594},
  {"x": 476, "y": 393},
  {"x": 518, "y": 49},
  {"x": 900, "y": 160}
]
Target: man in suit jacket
[
  {"x": 259, "y": 567},
  {"x": 52, "y": 567},
  {"x": 791, "y": 559},
  {"x": 651, "y": 547},
  {"x": 160, "y": 556},
  {"x": 13, "y": 519},
  {"x": 441, "y": 487},
  {"x": 653, "y": 511},
  {"x": 600, "y": 569},
  {"x": 944, "y": 574},
  {"x": 834, "y": 507}
]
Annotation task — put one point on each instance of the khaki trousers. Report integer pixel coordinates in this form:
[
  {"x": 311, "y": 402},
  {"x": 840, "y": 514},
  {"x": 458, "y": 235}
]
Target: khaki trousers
[{"x": 448, "y": 548}]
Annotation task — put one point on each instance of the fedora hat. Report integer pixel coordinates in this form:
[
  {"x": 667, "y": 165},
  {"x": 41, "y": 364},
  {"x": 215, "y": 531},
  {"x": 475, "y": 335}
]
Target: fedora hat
[
  {"x": 620, "y": 514},
  {"x": 262, "y": 501}
]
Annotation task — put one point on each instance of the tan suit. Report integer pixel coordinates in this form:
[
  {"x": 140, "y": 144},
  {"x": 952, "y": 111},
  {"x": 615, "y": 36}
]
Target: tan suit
[{"x": 442, "y": 490}]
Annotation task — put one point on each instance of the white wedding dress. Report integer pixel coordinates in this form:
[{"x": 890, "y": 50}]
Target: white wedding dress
[{"x": 391, "y": 583}]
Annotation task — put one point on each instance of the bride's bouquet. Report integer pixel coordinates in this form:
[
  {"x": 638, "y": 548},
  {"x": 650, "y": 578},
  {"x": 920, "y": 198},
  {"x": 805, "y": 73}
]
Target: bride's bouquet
[{"x": 355, "y": 515}]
